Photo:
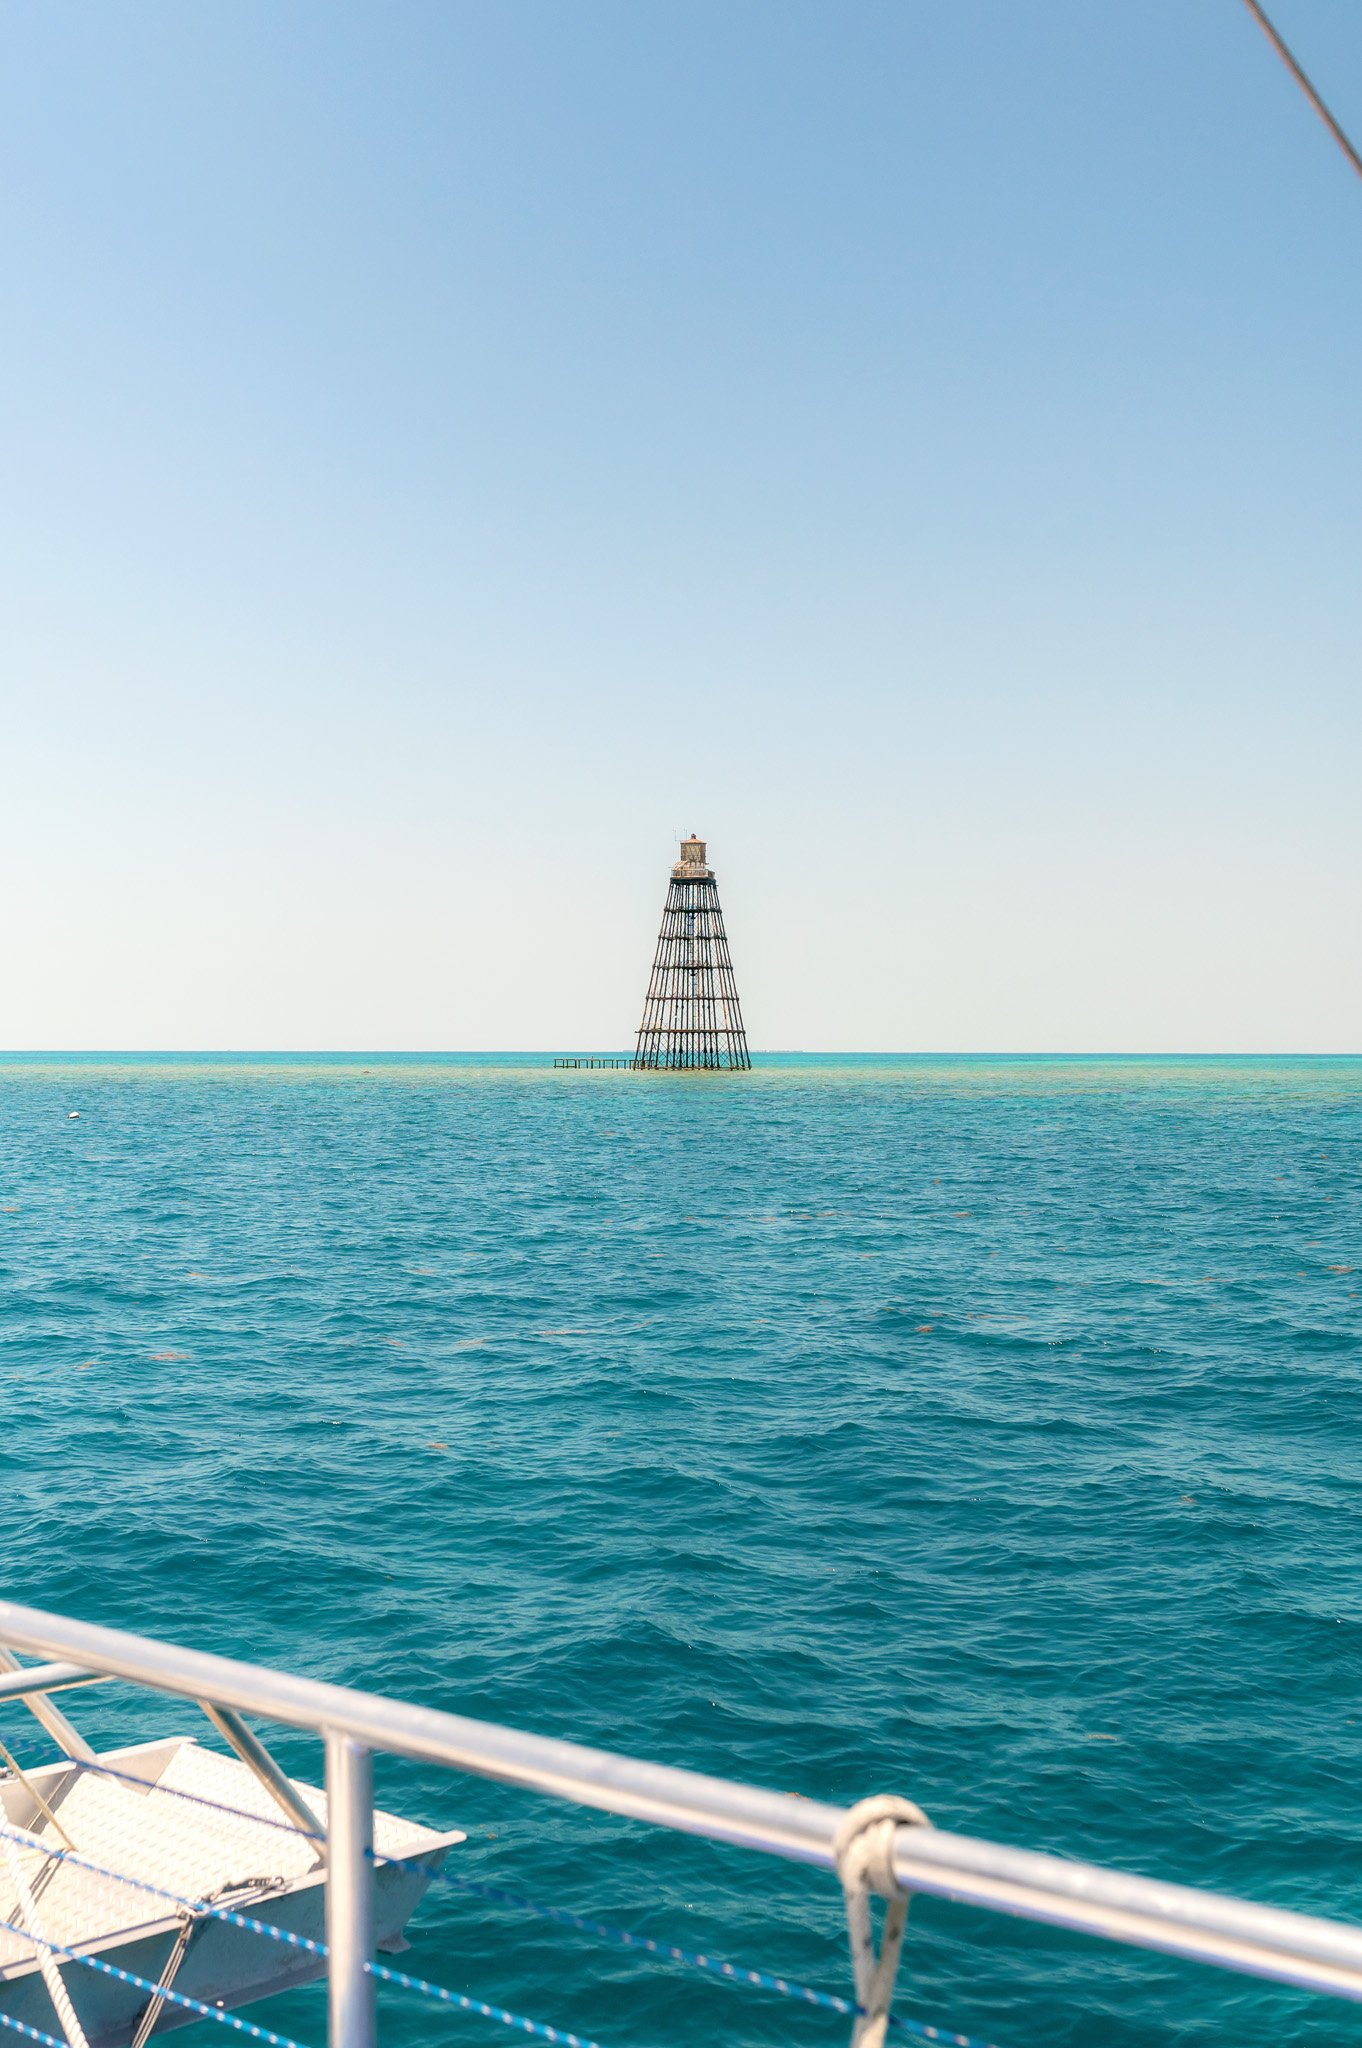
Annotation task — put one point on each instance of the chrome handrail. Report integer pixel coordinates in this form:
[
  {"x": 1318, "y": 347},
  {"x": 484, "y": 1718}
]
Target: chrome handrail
[
  {"x": 1266, "y": 1941},
  {"x": 17, "y": 1685}
]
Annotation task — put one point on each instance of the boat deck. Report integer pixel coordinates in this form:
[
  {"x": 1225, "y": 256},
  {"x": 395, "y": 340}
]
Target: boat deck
[{"x": 177, "y": 1822}]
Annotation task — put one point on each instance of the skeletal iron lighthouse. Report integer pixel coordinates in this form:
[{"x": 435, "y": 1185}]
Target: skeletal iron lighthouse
[{"x": 692, "y": 1017}]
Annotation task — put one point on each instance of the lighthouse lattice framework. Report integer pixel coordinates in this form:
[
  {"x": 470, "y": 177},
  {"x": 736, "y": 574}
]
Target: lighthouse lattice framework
[{"x": 692, "y": 1017}]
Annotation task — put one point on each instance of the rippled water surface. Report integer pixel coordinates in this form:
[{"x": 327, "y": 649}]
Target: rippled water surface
[{"x": 983, "y": 1430}]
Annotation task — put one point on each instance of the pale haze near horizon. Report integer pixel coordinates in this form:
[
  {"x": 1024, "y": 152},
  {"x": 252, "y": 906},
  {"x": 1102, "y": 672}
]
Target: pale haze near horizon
[{"x": 454, "y": 451}]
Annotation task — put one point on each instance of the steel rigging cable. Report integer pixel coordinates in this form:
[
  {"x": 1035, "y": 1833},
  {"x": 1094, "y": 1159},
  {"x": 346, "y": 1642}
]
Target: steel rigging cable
[{"x": 1303, "y": 82}]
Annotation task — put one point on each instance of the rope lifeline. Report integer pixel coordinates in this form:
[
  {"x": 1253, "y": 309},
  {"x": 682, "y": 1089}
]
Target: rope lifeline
[
  {"x": 737, "y": 1973},
  {"x": 203, "y": 1906},
  {"x": 33, "y": 2033},
  {"x": 247, "y": 1921},
  {"x": 487, "y": 2012},
  {"x": 195, "y": 2005},
  {"x": 47, "y": 1961}
]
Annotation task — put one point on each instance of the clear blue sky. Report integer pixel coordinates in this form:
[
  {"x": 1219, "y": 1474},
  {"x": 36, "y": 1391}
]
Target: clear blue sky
[{"x": 450, "y": 449}]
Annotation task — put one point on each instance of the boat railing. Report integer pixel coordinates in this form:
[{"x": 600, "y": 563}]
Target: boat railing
[{"x": 1271, "y": 1942}]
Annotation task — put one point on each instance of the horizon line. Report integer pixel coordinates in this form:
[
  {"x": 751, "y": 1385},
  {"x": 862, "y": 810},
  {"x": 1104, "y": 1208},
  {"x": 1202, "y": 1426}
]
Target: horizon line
[{"x": 549, "y": 1052}]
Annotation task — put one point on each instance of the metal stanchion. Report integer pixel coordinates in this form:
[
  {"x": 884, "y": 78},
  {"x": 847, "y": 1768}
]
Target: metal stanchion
[{"x": 350, "y": 1892}]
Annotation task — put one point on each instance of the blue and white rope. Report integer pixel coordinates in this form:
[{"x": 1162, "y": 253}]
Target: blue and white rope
[
  {"x": 194, "y": 2005},
  {"x": 487, "y": 2012},
  {"x": 143, "y": 1884},
  {"x": 736, "y": 1973},
  {"x": 33, "y": 2033},
  {"x": 248, "y": 1921}
]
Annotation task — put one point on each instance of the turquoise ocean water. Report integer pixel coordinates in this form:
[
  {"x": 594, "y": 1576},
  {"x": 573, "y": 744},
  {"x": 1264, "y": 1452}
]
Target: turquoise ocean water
[{"x": 985, "y": 1430}]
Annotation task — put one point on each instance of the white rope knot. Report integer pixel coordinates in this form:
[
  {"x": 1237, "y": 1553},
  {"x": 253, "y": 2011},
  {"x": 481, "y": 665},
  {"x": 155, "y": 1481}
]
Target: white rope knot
[{"x": 863, "y": 1850}]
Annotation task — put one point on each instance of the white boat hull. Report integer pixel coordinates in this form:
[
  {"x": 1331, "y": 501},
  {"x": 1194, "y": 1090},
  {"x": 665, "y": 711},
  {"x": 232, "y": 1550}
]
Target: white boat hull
[{"x": 185, "y": 1821}]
